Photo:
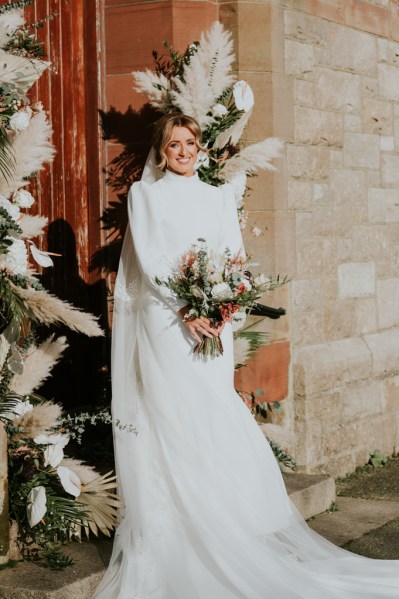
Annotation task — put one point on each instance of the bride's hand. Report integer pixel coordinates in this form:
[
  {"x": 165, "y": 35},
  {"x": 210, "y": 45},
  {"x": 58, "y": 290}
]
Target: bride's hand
[{"x": 201, "y": 325}]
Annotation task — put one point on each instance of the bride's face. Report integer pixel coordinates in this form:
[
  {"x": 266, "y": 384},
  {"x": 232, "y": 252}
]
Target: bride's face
[{"x": 181, "y": 152}]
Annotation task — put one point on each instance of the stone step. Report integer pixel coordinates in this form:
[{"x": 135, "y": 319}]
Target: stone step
[{"x": 311, "y": 494}]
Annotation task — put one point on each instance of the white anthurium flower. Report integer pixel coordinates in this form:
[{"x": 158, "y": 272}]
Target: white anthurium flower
[
  {"x": 36, "y": 505},
  {"x": 243, "y": 96},
  {"x": 219, "y": 110},
  {"x": 222, "y": 291},
  {"x": 52, "y": 439},
  {"x": 42, "y": 258},
  {"x": 202, "y": 160},
  {"x": 53, "y": 455},
  {"x": 23, "y": 198},
  {"x": 20, "y": 120},
  {"x": 69, "y": 480},
  {"x": 12, "y": 209}
]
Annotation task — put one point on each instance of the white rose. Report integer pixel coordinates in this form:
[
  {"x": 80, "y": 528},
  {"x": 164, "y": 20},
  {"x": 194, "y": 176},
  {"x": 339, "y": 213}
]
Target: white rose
[
  {"x": 219, "y": 110},
  {"x": 20, "y": 120},
  {"x": 16, "y": 259},
  {"x": 11, "y": 208},
  {"x": 256, "y": 231},
  {"x": 243, "y": 96},
  {"x": 222, "y": 291},
  {"x": 23, "y": 198}
]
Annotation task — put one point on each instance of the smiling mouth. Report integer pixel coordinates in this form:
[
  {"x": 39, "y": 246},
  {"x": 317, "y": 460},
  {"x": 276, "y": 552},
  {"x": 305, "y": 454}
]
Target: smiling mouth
[{"x": 183, "y": 160}]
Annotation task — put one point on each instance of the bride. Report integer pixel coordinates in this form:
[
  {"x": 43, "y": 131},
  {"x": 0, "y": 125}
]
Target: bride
[{"x": 206, "y": 512}]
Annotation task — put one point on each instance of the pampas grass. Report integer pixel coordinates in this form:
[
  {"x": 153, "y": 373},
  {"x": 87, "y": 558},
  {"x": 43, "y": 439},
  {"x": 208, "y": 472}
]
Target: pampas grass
[
  {"x": 31, "y": 149},
  {"x": 48, "y": 309},
  {"x": 41, "y": 419},
  {"x": 9, "y": 22},
  {"x": 85, "y": 472},
  {"x": 254, "y": 157},
  {"x": 32, "y": 226},
  {"x": 38, "y": 363},
  {"x": 206, "y": 76},
  {"x": 155, "y": 87}
]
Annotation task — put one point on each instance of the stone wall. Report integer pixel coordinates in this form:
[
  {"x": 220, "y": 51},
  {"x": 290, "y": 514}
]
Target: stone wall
[
  {"x": 343, "y": 180},
  {"x": 326, "y": 80}
]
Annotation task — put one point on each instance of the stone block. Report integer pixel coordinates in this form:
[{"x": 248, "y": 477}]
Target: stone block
[
  {"x": 387, "y": 303},
  {"x": 377, "y": 116},
  {"x": 330, "y": 365},
  {"x": 383, "y": 205},
  {"x": 352, "y": 122},
  {"x": 299, "y": 59},
  {"x": 361, "y": 14},
  {"x": 384, "y": 348},
  {"x": 365, "y": 315},
  {"x": 390, "y": 170},
  {"x": 387, "y": 143},
  {"x": 300, "y": 194},
  {"x": 336, "y": 158},
  {"x": 356, "y": 279},
  {"x": 362, "y": 150},
  {"x": 339, "y": 319},
  {"x": 303, "y": 223},
  {"x": 316, "y": 256},
  {"x": 311, "y": 494},
  {"x": 388, "y": 81},
  {"x": 373, "y": 178},
  {"x": 363, "y": 400},
  {"x": 348, "y": 186},
  {"x": 318, "y": 127},
  {"x": 344, "y": 249},
  {"x": 308, "y": 328},
  {"x": 354, "y": 50},
  {"x": 337, "y": 90},
  {"x": 372, "y": 241},
  {"x": 304, "y": 92},
  {"x": 306, "y": 295},
  {"x": 309, "y": 163},
  {"x": 306, "y": 28}
]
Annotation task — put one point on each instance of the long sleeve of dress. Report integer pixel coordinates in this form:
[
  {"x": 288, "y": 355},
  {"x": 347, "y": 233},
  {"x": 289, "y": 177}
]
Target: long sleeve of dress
[
  {"x": 145, "y": 221},
  {"x": 230, "y": 233}
]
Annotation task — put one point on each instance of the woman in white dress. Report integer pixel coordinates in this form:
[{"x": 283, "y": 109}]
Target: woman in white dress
[{"x": 207, "y": 515}]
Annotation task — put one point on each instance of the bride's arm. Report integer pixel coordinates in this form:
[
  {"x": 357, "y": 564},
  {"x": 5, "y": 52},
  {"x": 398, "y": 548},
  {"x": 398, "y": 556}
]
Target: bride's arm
[{"x": 147, "y": 235}]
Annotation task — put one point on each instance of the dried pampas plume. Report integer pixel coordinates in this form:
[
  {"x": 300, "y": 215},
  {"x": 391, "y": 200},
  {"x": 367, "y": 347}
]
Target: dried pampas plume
[
  {"x": 85, "y": 472},
  {"x": 254, "y": 157},
  {"x": 32, "y": 226},
  {"x": 155, "y": 87},
  {"x": 31, "y": 149},
  {"x": 207, "y": 75},
  {"x": 38, "y": 421},
  {"x": 47, "y": 309},
  {"x": 38, "y": 363}
]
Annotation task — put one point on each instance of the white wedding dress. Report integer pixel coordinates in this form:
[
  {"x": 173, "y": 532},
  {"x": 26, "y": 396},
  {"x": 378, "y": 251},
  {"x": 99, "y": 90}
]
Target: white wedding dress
[{"x": 207, "y": 515}]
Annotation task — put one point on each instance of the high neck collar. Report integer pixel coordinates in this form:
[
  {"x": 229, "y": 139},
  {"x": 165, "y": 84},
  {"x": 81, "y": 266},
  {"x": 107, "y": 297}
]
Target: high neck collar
[{"x": 175, "y": 178}]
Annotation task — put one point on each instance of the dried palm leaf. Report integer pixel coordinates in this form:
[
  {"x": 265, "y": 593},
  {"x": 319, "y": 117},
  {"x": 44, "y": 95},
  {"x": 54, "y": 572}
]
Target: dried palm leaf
[{"x": 100, "y": 505}]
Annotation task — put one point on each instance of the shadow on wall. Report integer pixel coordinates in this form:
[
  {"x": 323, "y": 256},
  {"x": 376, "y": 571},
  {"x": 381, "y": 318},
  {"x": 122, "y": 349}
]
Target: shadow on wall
[
  {"x": 80, "y": 379},
  {"x": 133, "y": 132}
]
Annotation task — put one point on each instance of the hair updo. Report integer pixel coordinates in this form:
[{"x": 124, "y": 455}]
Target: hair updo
[{"x": 163, "y": 132}]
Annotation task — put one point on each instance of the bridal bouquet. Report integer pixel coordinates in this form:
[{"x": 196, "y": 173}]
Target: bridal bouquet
[{"x": 216, "y": 286}]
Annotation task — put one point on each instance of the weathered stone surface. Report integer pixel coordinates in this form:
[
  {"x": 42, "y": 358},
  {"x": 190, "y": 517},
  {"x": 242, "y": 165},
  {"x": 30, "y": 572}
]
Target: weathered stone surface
[
  {"x": 321, "y": 193},
  {"x": 388, "y": 81},
  {"x": 383, "y": 205},
  {"x": 387, "y": 143},
  {"x": 354, "y": 50},
  {"x": 387, "y": 303},
  {"x": 315, "y": 256},
  {"x": 337, "y": 90},
  {"x": 310, "y": 163},
  {"x": 390, "y": 170},
  {"x": 348, "y": 186},
  {"x": 377, "y": 116},
  {"x": 362, "y": 150},
  {"x": 304, "y": 92},
  {"x": 299, "y": 59},
  {"x": 306, "y": 28},
  {"x": 384, "y": 347},
  {"x": 330, "y": 365},
  {"x": 300, "y": 194},
  {"x": 356, "y": 279},
  {"x": 319, "y": 127}
]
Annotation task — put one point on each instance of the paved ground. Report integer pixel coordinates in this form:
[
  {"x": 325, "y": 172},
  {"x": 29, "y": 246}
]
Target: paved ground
[{"x": 367, "y": 520}]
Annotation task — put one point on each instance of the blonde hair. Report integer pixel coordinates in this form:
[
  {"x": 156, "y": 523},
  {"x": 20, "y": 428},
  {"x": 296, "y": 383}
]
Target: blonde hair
[{"x": 163, "y": 132}]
